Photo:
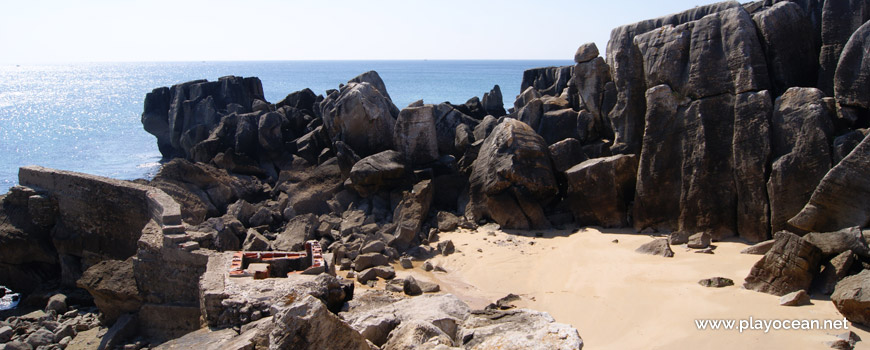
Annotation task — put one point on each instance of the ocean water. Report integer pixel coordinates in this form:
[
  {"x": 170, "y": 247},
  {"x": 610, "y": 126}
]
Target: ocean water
[{"x": 86, "y": 117}]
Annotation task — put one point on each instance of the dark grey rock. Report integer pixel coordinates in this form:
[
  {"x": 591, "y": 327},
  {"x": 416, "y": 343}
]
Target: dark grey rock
[
  {"x": 512, "y": 177},
  {"x": 788, "y": 266},
  {"x": 842, "y": 198},
  {"x": 800, "y": 143},
  {"x": 658, "y": 247},
  {"x": 600, "y": 189}
]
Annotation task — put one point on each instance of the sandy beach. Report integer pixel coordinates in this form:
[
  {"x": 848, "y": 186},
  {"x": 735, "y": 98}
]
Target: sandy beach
[{"x": 620, "y": 299}]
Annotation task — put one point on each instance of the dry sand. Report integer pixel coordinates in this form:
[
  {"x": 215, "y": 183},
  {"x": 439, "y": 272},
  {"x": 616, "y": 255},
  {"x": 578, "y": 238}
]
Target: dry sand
[{"x": 620, "y": 299}]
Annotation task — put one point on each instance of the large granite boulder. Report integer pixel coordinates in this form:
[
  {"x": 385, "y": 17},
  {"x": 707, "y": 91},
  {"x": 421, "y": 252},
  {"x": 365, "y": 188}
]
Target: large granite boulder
[
  {"x": 801, "y": 133},
  {"x": 842, "y": 199},
  {"x": 512, "y": 178},
  {"x": 361, "y": 116},
  {"x": 600, "y": 189},
  {"x": 414, "y": 135},
  {"x": 113, "y": 285},
  {"x": 380, "y": 171},
  {"x": 790, "y": 265},
  {"x": 852, "y": 297}
]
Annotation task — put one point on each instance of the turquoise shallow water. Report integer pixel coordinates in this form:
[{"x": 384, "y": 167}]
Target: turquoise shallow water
[{"x": 85, "y": 117}]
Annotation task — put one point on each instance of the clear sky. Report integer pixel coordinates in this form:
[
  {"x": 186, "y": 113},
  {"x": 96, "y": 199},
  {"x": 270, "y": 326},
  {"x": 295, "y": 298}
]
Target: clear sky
[{"x": 35, "y": 31}]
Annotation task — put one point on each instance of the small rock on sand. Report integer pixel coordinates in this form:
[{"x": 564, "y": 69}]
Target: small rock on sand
[{"x": 716, "y": 282}]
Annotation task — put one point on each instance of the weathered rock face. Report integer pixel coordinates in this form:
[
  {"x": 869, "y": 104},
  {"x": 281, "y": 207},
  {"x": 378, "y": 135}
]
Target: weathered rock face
[
  {"x": 842, "y": 198},
  {"x": 381, "y": 171},
  {"x": 800, "y": 145},
  {"x": 182, "y": 115},
  {"x": 447, "y": 121},
  {"x": 493, "y": 103},
  {"x": 203, "y": 190},
  {"x": 113, "y": 286},
  {"x": 411, "y": 213},
  {"x": 627, "y": 70},
  {"x": 308, "y": 190},
  {"x": 837, "y": 242},
  {"x": 790, "y": 62},
  {"x": 547, "y": 81},
  {"x": 853, "y": 75},
  {"x": 566, "y": 154},
  {"x": 512, "y": 177},
  {"x": 361, "y": 116},
  {"x": 307, "y": 324},
  {"x": 518, "y": 329},
  {"x": 690, "y": 149},
  {"x": 415, "y": 135},
  {"x": 839, "y": 20},
  {"x": 852, "y": 299},
  {"x": 600, "y": 189},
  {"x": 297, "y": 231},
  {"x": 788, "y": 266},
  {"x": 590, "y": 78}
]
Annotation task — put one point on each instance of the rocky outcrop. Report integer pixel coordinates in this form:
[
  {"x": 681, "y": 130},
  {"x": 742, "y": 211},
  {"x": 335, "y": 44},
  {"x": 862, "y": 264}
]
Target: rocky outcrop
[
  {"x": 627, "y": 71},
  {"x": 852, "y": 76},
  {"x": 800, "y": 146},
  {"x": 851, "y": 297},
  {"x": 415, "y": 135},
  {"x": 788, "y": 266},
  {"x": 181, "y": 116},
  {"x": 378, "y": 172},
  {"x": 591, "y": 76},
  {"x": 841, "y": 199},
  {"x": 362, "y": 116},
  {"x": 550, "y": 81},
  {"x": 112, "y": 283},
  {"x": 411, "y": 213},
  {"x": 839, "y": 20},
  {"x": 202, "y": 190},
  {"x": 696, "y": 129},
  {"x": 790, "y": 62},
  {"x": 512, "y": 178},
  {"x": 683, "y": 164}
]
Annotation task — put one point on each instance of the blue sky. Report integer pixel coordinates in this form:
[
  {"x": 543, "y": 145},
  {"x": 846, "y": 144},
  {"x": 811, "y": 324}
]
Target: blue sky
[{"x": 35, "y": 31}]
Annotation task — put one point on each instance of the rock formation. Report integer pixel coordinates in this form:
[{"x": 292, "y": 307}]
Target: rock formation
[{"x": 705, "y": 124}]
